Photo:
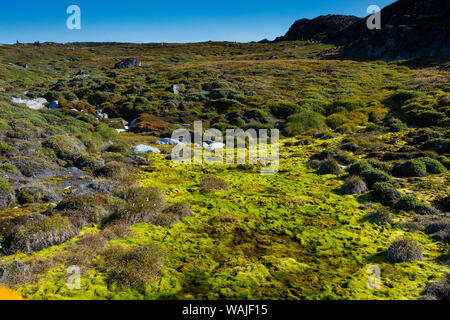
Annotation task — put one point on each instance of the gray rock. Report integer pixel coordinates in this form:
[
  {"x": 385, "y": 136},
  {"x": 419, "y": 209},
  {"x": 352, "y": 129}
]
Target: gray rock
[
  {"x": 142, "y": 148},
  {"x": 22, "y": 64},
  {"x": 6, "y": 198},
  {"x": 128, "y": 63},
  {"x": 80, "y": 74},
  {"x": 138, "y": 160},
  {"x": 35, "y": 104}
]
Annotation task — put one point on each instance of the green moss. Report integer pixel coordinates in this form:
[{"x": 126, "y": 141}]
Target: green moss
[
  {"x": 372, "y": 176},
  {"x": 305, "y": 122},
  {"x": 8, "y": 168},
  {"x": 432, "y": 166},
  {"x": 65, "y": 147},
  {"x": 5, "y": 187}
]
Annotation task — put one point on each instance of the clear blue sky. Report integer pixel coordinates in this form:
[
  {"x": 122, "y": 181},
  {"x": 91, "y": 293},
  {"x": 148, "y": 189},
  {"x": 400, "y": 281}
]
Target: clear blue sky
[{"x": 165, "y": 21}]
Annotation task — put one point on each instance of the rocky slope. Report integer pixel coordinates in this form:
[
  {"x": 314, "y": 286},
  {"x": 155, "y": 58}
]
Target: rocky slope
[
  {"x": 409, "y": 29},
  {"x": 318, "y": 29}
]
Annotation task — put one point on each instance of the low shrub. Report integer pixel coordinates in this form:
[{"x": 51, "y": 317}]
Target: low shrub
[
  {"x": 381, "y": 216},
  {"x": 65, "y": 147},
  {"x": 411, "y": 168},
  {"x": 180, "y": 209},
  {"x": 131, "y": 267},
  {"x": 36, "y": 193},
  {"x": 347, "y": 128},
  {"x": 396, "y": 125},
  {"x": 142, "y": 205},
  {"x": 411, "y": 203},
  {"x": 385, "y": 193},
  {"x": 112, "y": 170},
  {"x": 330, "y": 166},
  {"x": 85, "y": 249},
  {"x": 444, "y": 203},
  {"x": 354, "y": 185},
  {"x": 315, "y": 164},
  {"x": 439, "y": 290},
  {"x": 87, "y": 161},
  {"x": 439, "y": 145},
  {"x": 213, "y": 184},
  {"x": 283, "y": 109},
  {"x": 92, "y": 142},
  {"x": 107, "y": 133},
  {"x": 42, "y": 234},
  {"x": 336, "y": 120},
  {"x": 372, "y": 176},
  {"x": 348, "y": 104},
  {"x": 404, "y": 250},
  {"x": 84, "y": 209},
  {"x": 19, "y": 273},
  {"x": 432, "y": 166},
  {"x": 119, "y": 148},
  {"x": 359, "y": 167},
  {"x": 7, "y": 195},
  {"x": 305, "y": 122},
  {"x": 35, "y": 167}
]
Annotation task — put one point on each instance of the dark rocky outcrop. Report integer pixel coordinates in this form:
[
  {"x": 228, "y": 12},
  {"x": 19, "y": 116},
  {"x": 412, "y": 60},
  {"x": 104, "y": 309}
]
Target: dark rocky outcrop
[
  {"x": 321, "y": 28},
  {"x": 409, "y": 29},
  {"x": 128, "y": 63}
]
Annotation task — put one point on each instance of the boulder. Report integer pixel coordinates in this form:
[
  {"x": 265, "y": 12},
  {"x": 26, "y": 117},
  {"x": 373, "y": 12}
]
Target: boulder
[
  {"x": 35, "y": 104},
  {"x": 142, "y": 148},
  {"x": 81, "y": 74},
  {"x": 128, "y": 63},
  {"x": 35, "y": 167},
  {"x": 22, "y": 65},
  {"x": 37, "y": 193},
  {"x": 171, "y": 142}
]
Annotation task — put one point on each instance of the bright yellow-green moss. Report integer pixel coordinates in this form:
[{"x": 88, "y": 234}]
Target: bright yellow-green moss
[{"x": 290, "y": 236}]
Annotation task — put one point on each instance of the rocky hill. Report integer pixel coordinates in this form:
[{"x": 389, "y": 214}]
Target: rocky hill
[
  {"x": 318, "y": 29},
  {"x": 409, "y": 29}
]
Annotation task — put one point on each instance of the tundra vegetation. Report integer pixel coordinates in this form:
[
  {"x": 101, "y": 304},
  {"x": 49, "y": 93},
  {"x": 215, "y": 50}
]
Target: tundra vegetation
[{"x": 363, "y": 176}]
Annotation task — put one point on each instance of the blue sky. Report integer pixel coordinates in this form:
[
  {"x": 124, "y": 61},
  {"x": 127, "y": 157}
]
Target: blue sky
[{"x": 165, "y": 21}]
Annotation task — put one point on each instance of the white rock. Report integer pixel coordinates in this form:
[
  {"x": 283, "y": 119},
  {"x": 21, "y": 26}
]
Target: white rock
[
  {"x": 171, "y": 142},
  {"x": 121, "y": 130},
  {"x": 142, "y": 148},
  {"x": 35, "y": 104}
]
